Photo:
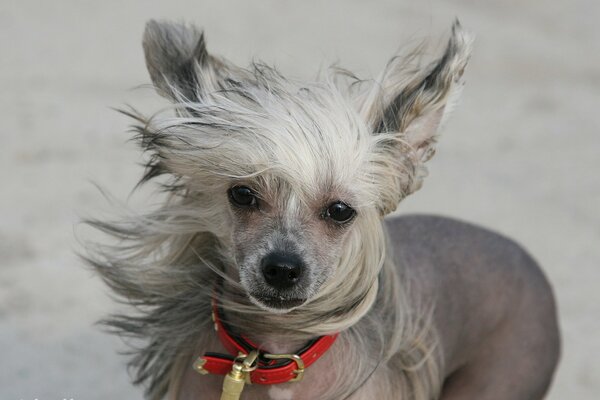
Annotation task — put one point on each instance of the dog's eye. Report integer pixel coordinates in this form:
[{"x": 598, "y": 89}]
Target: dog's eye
[
  {"x": 242, "y": 196},
  {"x": 340, "y": 212}
]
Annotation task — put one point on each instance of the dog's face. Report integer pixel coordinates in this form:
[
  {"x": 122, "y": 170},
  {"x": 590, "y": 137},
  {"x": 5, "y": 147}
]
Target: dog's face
[
  {"x": 287, "y": 246},
  {"x": 291, "y": 176},
  {"x": 298, "y": 200}
]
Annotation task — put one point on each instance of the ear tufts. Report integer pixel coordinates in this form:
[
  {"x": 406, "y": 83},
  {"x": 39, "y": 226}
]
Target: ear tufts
[
  {"x": 172, "y": 52},
  {"x": 410, "y": 107},
  {"x": 428, "y": 91}
]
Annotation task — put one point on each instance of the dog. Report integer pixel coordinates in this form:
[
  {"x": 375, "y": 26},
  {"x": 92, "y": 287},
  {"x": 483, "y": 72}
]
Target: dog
[{"x": 272, "y": 270}]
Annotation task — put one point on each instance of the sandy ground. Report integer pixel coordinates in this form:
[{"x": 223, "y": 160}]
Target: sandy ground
[{"x": 521, "y": 154}]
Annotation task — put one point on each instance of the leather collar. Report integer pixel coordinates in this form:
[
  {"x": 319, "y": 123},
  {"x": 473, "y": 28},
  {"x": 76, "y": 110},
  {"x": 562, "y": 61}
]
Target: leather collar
[{"x": 269, "y": 368}]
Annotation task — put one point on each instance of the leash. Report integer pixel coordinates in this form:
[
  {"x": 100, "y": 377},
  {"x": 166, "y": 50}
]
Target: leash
[{"x": 247, "y": 364}]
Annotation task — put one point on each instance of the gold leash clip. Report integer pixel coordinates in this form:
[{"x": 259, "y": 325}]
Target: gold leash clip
[{"x": 234, "y": 381}]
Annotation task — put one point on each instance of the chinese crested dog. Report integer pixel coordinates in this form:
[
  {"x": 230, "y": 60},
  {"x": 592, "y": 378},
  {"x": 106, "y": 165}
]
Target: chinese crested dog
[{"x": 270, "y": 271}]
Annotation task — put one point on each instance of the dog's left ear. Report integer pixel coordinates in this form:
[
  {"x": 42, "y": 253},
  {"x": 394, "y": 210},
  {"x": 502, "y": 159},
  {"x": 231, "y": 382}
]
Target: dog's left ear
[
  {"x": 179, "y": 65},
  {"x": 414, "y": 109}
]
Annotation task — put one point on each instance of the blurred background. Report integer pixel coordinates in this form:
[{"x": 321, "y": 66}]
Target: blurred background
[{"x": 521, "y": 155}]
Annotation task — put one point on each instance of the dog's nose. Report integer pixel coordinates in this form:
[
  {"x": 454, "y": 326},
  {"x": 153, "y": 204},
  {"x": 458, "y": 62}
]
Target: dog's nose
[{"x": 282, "y": 270}]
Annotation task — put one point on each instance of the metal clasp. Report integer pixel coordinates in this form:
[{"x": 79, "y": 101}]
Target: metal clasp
[
  {"x": 249, "y": 362},
  {"x": 234, "y": 381},
  {"x": 294, "y": 357}
]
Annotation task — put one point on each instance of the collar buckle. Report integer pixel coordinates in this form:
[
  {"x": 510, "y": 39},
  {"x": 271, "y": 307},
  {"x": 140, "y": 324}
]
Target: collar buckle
[{"x": 299, "y": 371}]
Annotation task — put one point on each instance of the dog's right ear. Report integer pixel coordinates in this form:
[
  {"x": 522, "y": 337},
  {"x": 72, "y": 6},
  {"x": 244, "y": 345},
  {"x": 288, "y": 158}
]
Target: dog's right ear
[
  {"x": 179, "y": 65},
  {"x": 409, "y": 109}
]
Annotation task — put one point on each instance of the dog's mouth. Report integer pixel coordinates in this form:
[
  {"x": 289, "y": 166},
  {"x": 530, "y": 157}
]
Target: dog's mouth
[{"x": 277, "y": 303}]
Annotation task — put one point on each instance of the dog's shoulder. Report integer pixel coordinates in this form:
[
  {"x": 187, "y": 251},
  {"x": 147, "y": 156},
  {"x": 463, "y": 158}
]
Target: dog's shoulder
[
  {"x": 447, "y": 251},
  {"x": 479, "y": 280}
]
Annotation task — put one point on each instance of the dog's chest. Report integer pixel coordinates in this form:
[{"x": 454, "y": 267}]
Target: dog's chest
[
  {"x": 317, "y": 379},
  {"x": 312, "y": 387},
  {"x": 321, "y": 377}
]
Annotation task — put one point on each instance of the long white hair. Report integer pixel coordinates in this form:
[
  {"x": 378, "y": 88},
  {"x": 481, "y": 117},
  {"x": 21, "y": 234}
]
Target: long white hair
[{"x": 229, "y": 123}]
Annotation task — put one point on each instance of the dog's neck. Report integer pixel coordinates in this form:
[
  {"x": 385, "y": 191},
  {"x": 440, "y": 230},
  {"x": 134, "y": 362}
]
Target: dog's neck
[
  {"x": 270, "y": 342},
  {"x": 267, "y": 330}
]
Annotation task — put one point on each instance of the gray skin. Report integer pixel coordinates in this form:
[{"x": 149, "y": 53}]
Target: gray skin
[
  {"x": 494, "y": 313},
  {"x": 494, "y": 309}
]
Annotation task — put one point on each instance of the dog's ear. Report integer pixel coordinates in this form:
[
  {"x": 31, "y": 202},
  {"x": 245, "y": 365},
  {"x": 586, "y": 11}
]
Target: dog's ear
[
  {"x": 414, "y": 108},
  {"x": 179, "y": 65}
]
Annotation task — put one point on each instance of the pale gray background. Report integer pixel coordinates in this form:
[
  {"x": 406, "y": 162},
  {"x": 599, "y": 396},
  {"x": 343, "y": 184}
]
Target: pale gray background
[{"x": 521, "y": 154}]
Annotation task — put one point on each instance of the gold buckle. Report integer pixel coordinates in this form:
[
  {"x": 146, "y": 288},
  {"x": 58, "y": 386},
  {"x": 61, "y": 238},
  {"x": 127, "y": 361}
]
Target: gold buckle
[{"x": 294, "y": 357}]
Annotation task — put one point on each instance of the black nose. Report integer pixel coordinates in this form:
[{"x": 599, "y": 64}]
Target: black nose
[{"x": 282, "y": 270}]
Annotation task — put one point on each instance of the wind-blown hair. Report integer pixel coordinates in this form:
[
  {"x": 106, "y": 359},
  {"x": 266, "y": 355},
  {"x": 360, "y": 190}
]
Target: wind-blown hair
[{"x": 228, "y": 124}]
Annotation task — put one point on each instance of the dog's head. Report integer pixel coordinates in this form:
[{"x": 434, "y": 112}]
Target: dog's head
[{"x": 292, "y": 177}]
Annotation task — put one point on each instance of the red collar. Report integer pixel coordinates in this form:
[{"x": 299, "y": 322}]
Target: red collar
[{"x": 270, "y": 368}]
